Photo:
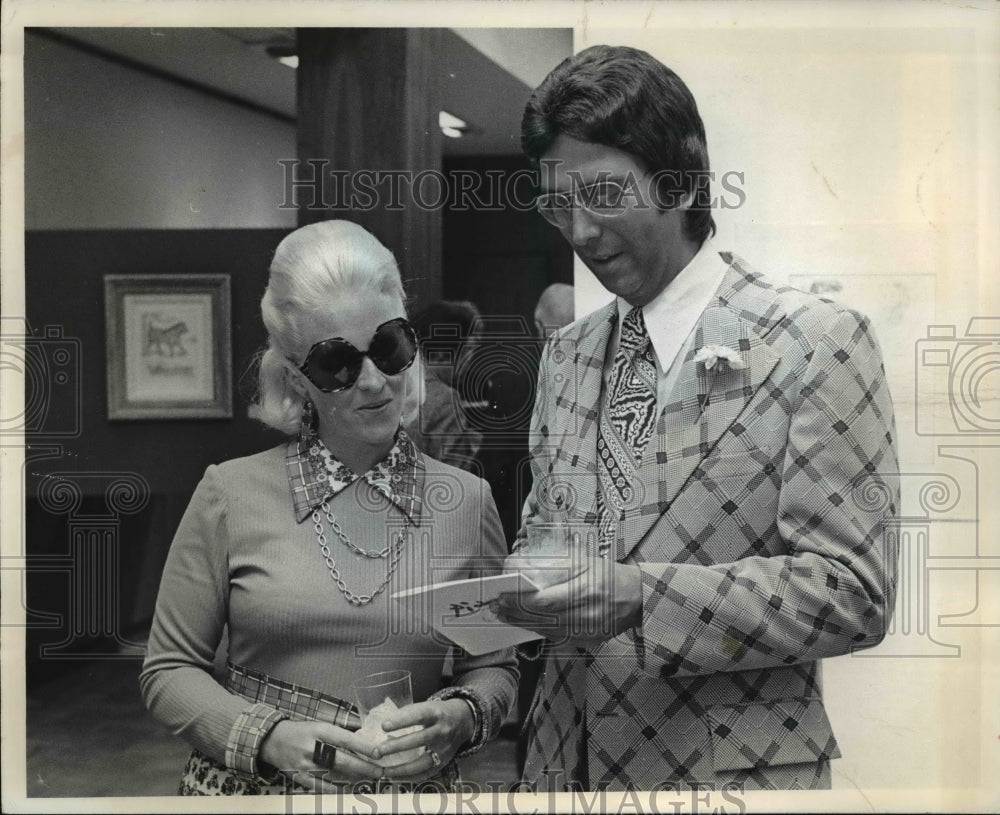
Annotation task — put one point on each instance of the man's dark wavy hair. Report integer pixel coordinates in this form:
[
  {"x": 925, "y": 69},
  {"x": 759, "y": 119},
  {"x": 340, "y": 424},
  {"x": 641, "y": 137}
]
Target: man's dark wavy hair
[{"x": 623, "y": 97}]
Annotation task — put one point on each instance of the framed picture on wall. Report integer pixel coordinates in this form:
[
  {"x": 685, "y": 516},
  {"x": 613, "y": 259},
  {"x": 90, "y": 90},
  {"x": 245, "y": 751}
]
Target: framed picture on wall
[{"x": 169, "y": 353}]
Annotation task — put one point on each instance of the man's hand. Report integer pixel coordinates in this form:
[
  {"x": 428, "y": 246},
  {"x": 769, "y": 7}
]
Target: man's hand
[{"x": 595, "y": 600}]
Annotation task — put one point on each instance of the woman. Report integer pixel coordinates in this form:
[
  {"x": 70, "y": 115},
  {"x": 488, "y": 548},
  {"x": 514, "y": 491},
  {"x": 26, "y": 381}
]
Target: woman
[{"x": 298, "y": 548}]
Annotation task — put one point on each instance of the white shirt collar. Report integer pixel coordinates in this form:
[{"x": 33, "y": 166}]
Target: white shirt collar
[{"x": 672, "y": 315}]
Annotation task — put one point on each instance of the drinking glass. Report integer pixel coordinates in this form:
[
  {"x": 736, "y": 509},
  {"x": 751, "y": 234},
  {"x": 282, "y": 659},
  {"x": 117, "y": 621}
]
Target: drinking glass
[
  {"x": 379, "y": 697},
  {"x": 553, "y": 551}
]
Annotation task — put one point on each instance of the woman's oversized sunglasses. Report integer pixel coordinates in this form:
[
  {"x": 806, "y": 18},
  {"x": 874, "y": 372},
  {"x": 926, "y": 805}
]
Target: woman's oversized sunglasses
[{"x": 335, "y": 365}]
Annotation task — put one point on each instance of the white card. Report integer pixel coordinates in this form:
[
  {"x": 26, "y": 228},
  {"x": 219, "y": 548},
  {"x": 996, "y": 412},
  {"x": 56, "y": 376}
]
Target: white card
[{"x": 460, "y": 610}]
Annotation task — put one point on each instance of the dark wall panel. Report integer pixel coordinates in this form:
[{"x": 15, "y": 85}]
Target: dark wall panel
[
  {"x": 64, "y": 289},
  {"x": 95, "y": 562},
  {"x": 498, "y": 251}
]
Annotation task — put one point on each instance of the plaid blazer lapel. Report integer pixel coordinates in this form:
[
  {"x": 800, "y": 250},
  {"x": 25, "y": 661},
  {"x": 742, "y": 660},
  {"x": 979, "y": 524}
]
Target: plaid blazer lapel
[
  {"x": 592, "y": 347},
  {"x": 702, "y": 405},
  {"x": 577, "y": 406}
]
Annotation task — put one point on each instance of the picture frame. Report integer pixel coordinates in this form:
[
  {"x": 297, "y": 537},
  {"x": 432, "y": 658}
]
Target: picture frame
[{"x": 169, "y": 347}]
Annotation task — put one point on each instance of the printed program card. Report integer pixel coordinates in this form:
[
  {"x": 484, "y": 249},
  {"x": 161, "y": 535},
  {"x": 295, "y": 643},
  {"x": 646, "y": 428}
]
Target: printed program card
[{"x": 460, "y": 610}]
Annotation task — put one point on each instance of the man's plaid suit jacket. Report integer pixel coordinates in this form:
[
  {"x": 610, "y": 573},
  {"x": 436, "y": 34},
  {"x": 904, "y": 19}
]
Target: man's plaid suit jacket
[{"x": 762, "y": 527}]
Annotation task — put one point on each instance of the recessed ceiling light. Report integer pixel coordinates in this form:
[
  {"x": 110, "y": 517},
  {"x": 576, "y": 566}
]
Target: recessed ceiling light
[
  {"x": 284, "y": 53},
  {"x": 451, "y": 125}
]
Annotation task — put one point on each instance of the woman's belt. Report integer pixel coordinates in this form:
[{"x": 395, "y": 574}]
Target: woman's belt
[{"x": 296, "y": 701}]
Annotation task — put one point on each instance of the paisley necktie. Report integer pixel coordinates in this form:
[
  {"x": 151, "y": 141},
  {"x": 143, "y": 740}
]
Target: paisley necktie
[{"x": 626, "y": 423}]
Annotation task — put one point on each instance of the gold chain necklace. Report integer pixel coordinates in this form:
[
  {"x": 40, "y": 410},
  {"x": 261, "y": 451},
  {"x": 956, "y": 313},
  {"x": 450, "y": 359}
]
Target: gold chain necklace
[{"x": 396, "y": 548}]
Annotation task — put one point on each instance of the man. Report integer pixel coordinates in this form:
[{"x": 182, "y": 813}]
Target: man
[
  {"x": 726, "y": 445},
  {"x": 554, "y": 309}
]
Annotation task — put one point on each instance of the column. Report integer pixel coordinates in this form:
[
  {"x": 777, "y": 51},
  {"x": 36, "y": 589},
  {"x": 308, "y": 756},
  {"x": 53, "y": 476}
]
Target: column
[{"x": 368, "y": 102}]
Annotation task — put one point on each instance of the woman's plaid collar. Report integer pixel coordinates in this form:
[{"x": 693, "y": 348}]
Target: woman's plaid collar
[{"x": 315, "y": 474}]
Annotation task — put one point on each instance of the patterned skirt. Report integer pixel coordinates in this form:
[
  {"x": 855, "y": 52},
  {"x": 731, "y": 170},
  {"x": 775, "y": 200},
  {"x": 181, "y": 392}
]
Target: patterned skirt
[{"x": 206, "y": 776}]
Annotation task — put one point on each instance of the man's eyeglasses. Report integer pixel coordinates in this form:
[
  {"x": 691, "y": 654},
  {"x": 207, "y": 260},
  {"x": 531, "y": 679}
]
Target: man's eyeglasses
[
  {"x": 606, "y": 199},
  {"x": 335, "y": 365}
]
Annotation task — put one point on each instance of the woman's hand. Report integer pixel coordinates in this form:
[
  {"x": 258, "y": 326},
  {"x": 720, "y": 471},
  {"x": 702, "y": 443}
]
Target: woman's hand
[
  {"x": 447, "y": 725},
  {"x": 290, "y": 748}
]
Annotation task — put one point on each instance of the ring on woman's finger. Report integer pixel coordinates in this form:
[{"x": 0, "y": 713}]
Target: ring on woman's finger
[
  {"x": 435, "y": 759},
  {"x": 324, "y": 754}
]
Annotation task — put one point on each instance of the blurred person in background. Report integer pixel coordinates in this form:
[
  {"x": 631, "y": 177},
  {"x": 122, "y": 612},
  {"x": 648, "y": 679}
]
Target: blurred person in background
[
  {"x": 441, "y": 428},
  {"x": 554, "y": 309}
]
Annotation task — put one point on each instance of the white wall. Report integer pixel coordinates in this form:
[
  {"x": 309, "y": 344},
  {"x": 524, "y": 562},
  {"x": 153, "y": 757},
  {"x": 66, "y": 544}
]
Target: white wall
[
  {"x": 527, "y": 53},
  {"x": 868, "y": 144},
  {"x": 111, "y": 147}
]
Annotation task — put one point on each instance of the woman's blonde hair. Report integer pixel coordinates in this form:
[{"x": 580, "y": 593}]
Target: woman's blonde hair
[{"x": 314, "y": 265}]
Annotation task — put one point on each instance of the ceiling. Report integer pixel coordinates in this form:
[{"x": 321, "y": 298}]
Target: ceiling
[{"x": 238, "y": 62}]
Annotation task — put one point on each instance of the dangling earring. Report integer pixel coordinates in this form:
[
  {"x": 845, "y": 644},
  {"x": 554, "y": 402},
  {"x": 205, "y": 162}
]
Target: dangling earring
[{"x": 308, "y": 420}]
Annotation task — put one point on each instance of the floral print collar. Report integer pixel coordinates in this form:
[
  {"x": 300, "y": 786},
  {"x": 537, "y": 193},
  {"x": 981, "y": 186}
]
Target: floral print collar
[{"x": 315, "y": 474}]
